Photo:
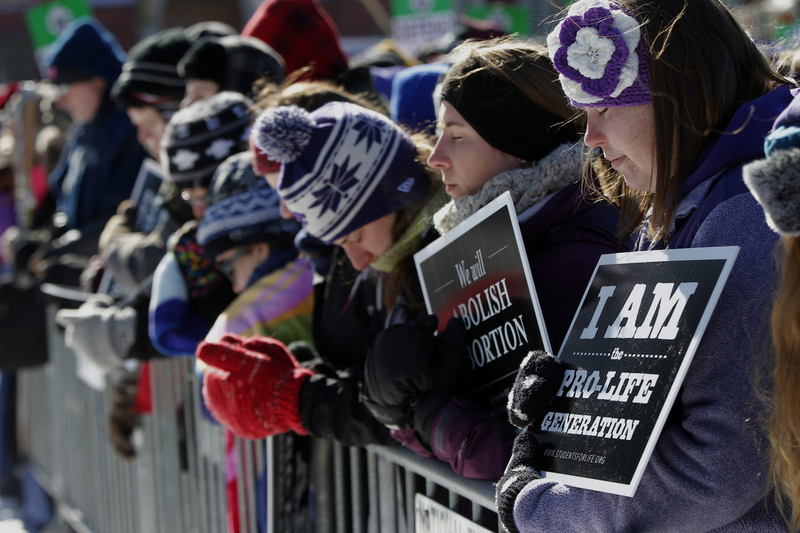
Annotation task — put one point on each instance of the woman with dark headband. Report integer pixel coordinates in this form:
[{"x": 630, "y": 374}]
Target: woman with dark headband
[{"x": 503, "y": 126}]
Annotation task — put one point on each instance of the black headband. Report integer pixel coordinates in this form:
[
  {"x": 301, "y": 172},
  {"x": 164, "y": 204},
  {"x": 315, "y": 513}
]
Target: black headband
[{"x": 503, "y": 116}]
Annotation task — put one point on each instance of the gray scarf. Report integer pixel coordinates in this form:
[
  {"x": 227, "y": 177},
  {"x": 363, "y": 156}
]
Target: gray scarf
[{"x": 527, "y": 186}]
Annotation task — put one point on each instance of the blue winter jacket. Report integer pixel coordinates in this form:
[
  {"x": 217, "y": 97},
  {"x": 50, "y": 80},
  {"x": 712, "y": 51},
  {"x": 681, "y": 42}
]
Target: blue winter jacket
[
  {"x": 709, "y": 466},
  {"x": 97, "y": 169}
]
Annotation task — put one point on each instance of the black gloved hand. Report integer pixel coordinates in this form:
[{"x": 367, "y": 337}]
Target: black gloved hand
[
  {"x": 453, "y": 377},
  {"x": 537, "y": 382},
  {"x": 399, "y": 368},
  {"x": 520, "y": 471}
]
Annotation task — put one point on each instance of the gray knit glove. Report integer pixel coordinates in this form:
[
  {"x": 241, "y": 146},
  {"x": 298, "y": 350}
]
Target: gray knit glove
[
  {"x": 99, "y": 332},
  {"x": 535, "y": 386},
  {"x": 520, "y": 471}
]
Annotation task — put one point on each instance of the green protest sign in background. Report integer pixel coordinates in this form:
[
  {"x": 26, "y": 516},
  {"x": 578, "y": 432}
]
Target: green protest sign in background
[
  {"x": 47, "y": 21},
  {"x": 402, "y": 8},
  {"x": 513, "y": 19}
]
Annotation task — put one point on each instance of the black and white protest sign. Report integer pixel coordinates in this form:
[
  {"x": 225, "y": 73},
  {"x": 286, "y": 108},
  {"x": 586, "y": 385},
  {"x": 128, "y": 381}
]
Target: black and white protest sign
[
  {"x": 479, "y": 272},
  {"x": 148, "y": 211},
  {"x": 627, "y": 352}
]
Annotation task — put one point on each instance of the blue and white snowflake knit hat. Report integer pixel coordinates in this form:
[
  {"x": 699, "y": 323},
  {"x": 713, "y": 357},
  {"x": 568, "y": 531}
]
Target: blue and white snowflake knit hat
[
  {"x": 242, "y": 209},
  {"x": 343, "y": 166},
  {"x": 201, "y": 136}
]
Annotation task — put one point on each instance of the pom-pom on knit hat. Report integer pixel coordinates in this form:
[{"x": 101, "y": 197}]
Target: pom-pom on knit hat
[
  {"x": 344, "y": 166},
  {"x": 201, "y": 136},
  {"x": 242, "y": 209},
  {"x": 600, "y": 55},
  {"x": 150, "y": 76}
]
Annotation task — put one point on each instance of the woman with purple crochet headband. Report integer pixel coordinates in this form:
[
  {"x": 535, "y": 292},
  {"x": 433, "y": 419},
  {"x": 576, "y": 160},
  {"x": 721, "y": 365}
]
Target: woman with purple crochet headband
[{"x": 677, "y": 99}]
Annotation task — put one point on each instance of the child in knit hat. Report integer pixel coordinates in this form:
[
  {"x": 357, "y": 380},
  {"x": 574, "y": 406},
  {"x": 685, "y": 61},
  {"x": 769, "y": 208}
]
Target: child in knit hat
[
  {"x": 251, "y": 243},
  {"x": 149, "y": 88},
  {"x": 189, "y": 292}
]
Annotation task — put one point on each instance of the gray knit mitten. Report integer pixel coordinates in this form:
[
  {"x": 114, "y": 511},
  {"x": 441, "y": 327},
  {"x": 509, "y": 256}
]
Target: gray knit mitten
[
  {"x": 536, "y": 384},
  {"x": 520, "y": 471},
  {"x": 98, "y": 332}
]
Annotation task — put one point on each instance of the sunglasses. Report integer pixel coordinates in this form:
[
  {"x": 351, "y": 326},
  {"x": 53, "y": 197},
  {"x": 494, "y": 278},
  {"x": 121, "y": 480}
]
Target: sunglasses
[{"x": 227, "y": 266}]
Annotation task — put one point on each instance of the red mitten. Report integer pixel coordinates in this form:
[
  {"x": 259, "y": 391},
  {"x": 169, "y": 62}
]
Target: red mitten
[{"x": 253, "y": 385}]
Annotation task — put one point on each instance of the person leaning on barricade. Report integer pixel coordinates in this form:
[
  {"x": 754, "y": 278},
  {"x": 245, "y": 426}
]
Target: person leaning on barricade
[
  {"x": 775, "y": 183},
  {"x": 150, "y": 91},
  {"x": 500, "y": 129},
  {"x": 379, "y": 233},
  {"x": 102, "y": 330},
  {"x": 101, "y": 159},
  {"x": 677, "y": 126},
  {"x": 189, "y": 292},
  {"x": 243, "y": 233}
]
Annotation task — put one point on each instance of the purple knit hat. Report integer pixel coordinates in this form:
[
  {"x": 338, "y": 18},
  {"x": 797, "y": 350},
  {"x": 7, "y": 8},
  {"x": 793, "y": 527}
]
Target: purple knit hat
[
  {"x": 600, "y": 55},
  {"x": 344, "y": 166}
]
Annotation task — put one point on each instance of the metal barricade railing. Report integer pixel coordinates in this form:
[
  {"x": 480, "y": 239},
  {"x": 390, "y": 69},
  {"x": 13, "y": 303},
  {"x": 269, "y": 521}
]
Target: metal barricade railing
[{"x": 177, "y": 481}]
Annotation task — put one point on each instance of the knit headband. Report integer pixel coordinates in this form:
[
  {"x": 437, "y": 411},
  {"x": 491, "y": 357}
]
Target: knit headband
[
  {"x": 502, "y": 115},
  {"x": 600, "y": 55}
]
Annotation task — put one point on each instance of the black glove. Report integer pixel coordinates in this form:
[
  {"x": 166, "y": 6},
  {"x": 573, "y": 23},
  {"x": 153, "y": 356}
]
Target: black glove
[
  {"x": 399, "y": 368},
  {"x": 520, "y": 471},
  {"x": 453, "y": 377},
  {"x": 537, "y": 382}
]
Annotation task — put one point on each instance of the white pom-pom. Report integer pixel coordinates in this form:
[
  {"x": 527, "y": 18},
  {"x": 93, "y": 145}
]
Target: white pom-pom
[{"x": 283, "y": 133}]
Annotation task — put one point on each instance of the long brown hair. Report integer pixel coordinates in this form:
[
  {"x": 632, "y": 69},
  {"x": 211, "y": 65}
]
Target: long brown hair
[
  {"x": 784, "y": 425},
  {"x": 703, "y": 66},
  {"x": 403, "y": 277}
]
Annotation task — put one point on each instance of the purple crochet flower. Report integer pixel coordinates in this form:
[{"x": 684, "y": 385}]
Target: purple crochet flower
[
  {"x": 603, "y": 52},
  {"x": 598, "y": 53}
]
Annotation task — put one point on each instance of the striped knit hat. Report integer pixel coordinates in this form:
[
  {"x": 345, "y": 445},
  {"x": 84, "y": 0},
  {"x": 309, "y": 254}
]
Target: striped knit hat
[
  {"x": 150, "y": 76},
  {"x": 344, "y": 166},
  {"x": 201, "y": 136},
  {"x": 242, "y": 209}
]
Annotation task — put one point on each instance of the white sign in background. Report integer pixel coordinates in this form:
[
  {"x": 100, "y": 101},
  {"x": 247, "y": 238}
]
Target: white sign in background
[{"x": 433, "y": 517}]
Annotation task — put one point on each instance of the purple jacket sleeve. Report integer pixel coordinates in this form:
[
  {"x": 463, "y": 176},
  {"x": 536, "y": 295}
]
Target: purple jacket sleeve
[{"x": 476, "y": 445}]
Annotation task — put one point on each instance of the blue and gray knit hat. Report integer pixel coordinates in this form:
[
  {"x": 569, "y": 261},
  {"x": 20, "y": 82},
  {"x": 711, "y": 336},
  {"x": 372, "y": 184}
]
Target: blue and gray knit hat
[
  {"x": 201, "y": 136},
  {"x": 344, "y": 166},
  {"x": 242, "y": 209}
]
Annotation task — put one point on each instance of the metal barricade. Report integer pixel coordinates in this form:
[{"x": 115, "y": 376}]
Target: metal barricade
[{"x": 177, "y": 481}]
